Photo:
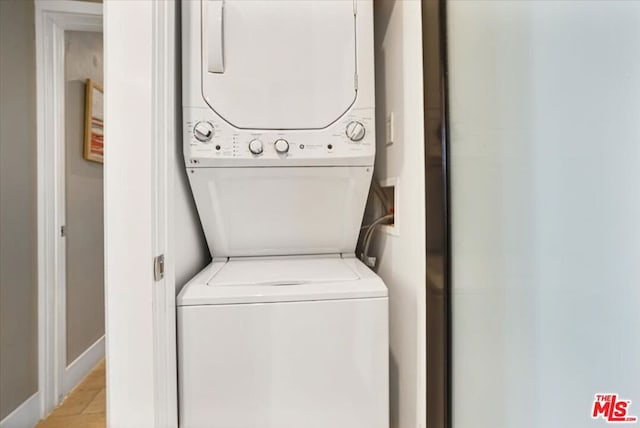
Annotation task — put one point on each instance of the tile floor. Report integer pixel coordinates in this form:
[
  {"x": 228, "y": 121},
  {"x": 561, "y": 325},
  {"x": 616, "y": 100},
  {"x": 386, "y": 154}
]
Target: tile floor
[{"x": 84, "y": 407}]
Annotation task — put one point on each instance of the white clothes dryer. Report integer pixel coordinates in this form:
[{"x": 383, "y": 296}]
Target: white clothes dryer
[{"x": 285, "y": 328}]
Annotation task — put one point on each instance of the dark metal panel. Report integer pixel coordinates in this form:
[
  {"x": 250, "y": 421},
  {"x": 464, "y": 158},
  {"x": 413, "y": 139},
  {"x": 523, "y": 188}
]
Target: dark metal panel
[{"x": 438, "y": 263}]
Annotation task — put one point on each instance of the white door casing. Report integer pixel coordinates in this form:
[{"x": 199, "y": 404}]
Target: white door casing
[
  {"x": 140, "y": 325},
  {"x": 52, "y": 19},
  {"x": 140, "y": 109}
]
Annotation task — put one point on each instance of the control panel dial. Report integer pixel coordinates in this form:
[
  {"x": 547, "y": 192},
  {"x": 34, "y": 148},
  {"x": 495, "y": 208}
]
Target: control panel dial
[
  {"x": 203, "y": 131},
  {"x": 255, "y": 147},
  {"x": 281, "y": 146},
  {"x": 355, "y": 131}
]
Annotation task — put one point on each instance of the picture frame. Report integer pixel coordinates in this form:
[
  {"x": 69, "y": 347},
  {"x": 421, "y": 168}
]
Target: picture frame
[{"x": 94, "y": 122}]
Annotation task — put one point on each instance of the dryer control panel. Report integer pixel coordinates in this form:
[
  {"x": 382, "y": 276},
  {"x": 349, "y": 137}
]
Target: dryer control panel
[{"x": 210, "y": 141}]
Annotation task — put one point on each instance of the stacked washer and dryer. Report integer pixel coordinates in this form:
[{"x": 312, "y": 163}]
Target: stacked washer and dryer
[{"x": 286, "y": 328}]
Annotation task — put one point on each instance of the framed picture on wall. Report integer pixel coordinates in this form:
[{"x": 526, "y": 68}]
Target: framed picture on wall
[{"x": 94, "y": 123}]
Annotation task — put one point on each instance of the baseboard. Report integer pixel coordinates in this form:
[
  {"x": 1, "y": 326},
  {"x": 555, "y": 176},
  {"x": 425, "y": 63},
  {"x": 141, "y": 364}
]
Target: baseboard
[
  {"x": 81, "y": 366},
  {"x": 26, "y": 415}
]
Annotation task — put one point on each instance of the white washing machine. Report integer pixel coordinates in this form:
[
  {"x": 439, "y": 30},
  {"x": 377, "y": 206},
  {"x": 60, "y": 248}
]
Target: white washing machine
[{"x": 285, "y": 328}]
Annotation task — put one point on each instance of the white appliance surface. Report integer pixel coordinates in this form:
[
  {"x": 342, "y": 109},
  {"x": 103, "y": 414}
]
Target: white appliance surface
[
  {"x": 285, "y": 328},
  {"x": 230, "y": 147},
  {"x": 304, "y": 51},
  {"x": 283, "y": 271},
  {"x": 280, "y": 211},
  {"x": 295, "y": 78},
  {"x": 261, "y": 280},
  {"x": 312, "y": 364}
]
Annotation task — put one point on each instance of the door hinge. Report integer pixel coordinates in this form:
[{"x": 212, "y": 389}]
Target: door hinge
[
  {"x": 63, "y": 231},
  {"x": 158, "y": 267}
]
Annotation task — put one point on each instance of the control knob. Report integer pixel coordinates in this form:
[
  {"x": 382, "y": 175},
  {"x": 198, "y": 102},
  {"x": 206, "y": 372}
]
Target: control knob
[
  {"x": 255, "y": 147},
  {"x": 281, "y": 145},
  {"x": 355, "y": 131},
  {"x": 203, "y": 131}
]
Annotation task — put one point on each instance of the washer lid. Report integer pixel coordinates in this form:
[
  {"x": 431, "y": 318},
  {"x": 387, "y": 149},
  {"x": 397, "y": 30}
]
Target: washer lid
[
  {"x": 279, "y": 271},
  {"x": 282, "y": 280}
]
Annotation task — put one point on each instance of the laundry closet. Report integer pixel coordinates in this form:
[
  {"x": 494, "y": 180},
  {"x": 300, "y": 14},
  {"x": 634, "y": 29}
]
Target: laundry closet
[{"x": 278, "y": 320}]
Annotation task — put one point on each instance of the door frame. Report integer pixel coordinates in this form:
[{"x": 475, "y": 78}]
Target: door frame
[
  {"x": 142, "y": 90},
  {"x": 52, "y": 19}
]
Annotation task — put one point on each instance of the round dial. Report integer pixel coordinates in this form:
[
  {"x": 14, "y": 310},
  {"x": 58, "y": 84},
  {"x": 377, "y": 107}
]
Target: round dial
[
  {"x": 355, "y": 131},
  {"x": 203, "y": 131},
  {"x": 281, "y": 145},
  {"x": 255, "y": 147}
]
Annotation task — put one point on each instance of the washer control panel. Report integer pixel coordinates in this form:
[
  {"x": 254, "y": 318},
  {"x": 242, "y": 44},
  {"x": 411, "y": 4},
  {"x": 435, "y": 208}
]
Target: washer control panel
[{"x": 208, "y": 140}]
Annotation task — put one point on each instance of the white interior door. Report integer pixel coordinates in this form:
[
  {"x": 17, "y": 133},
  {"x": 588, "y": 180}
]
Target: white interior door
[
  {"x": 279, "y": 64},
  {"x": 545, "y": 160}
]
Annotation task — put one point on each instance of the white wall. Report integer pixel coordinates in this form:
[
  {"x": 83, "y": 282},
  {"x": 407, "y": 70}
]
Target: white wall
[
  {"x": 398, "y": 44},
  {"x": 545, "y": 173}
]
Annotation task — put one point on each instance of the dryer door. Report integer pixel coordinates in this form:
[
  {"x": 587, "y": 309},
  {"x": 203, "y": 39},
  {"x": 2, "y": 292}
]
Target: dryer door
[{"x": 279, "y": 64}]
